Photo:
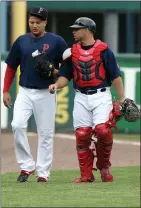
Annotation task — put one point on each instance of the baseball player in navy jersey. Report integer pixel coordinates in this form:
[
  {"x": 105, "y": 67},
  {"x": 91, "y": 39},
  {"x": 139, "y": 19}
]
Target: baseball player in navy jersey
[
  {"x": 33, "y": 96},
  {"x": 93, "y": 68}
]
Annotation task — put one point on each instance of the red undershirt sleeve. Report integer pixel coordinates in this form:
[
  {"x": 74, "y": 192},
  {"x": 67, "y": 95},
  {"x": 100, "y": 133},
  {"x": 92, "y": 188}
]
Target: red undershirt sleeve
[{"x": 8, "y": 79}]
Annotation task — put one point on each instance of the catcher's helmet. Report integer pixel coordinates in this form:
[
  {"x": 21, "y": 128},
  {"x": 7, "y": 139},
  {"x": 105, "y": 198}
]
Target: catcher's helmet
[{"x": 84, "y": 22}]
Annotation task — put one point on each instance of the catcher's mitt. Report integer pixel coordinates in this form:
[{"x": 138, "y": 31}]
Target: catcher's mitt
[
  {"x": 130, "y": 110},
  {"x": 43, "y": 65}
]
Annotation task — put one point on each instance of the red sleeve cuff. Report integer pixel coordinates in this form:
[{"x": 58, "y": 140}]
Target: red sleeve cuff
[{"x": 8, "y": 79}]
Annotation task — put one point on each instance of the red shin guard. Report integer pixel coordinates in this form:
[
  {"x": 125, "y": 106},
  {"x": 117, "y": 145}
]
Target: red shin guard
[
  {"x": 104, "y": 145},
  {"x": 85, "y": 155},
  {"x": 86, "y": 159},
  {"x": 103, "y": 155}
]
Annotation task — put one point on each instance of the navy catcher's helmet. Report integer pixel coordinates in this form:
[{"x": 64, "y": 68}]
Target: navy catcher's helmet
[{"x": 84, "y": 22}]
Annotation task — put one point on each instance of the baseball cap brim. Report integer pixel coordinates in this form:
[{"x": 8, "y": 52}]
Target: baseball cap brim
[
  {"x": 76, "y": 26},
  {"x": 38, "y": 15}
]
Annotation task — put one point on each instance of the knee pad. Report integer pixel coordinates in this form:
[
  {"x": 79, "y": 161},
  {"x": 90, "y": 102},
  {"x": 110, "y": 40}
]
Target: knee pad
[
  {"x": 83, "y": 137},
  {"x": 103, "y": 132}
]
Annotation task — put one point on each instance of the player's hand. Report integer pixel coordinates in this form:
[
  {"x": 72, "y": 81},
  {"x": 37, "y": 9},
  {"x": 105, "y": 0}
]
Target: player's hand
[
  {"x": 7, "y": 99},
  {"x": 52, "y": 88}
]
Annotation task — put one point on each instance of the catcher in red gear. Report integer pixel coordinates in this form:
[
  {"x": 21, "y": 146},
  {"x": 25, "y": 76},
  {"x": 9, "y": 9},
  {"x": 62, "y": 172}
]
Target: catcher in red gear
[{"x": 93, "y": 68}]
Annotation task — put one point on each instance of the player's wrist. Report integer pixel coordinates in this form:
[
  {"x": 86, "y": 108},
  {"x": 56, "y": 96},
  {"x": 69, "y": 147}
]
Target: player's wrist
[
  {"x": 5, "y": 92},
  {"x": 57, "y": 86},
  {"x": 121, "y": 99}
]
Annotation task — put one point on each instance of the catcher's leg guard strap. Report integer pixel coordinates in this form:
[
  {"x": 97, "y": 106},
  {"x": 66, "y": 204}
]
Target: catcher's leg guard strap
[
  {"x": 104, "y": 145},
  {"x": 85, "y": 155}
]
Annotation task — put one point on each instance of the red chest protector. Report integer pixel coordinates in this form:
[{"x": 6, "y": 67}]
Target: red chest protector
[{"x": 88, "y": 69}]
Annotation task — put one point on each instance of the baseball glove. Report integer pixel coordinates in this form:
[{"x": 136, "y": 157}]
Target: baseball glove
[
  {"x": 131, "y": 113},
  {"x": 44, "y": 67}
]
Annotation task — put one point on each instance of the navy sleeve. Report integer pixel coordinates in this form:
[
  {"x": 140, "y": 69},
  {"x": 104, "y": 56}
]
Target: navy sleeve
[
  {"x": 61, "y": 46},
  {"x": 66, "y": 69},
  {"x": 110, "y": 64},
  {"x": 14, "y": 57}
]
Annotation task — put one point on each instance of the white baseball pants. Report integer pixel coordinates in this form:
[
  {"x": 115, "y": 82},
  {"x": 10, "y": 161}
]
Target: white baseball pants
[
  {"x": 90, "y": 110},
  {"x": 43, "y": 105}
]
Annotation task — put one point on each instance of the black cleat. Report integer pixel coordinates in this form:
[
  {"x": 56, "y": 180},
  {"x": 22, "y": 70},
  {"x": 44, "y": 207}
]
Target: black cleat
[{"x": 24, "y": 175}]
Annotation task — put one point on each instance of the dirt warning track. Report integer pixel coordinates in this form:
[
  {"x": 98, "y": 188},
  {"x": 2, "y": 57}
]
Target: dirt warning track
[{"x": 65, "y": 158}]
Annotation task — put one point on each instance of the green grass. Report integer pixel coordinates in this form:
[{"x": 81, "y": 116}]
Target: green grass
[
  {"x": 61, "y": 192},
  {"x": 129, "y": 137}
]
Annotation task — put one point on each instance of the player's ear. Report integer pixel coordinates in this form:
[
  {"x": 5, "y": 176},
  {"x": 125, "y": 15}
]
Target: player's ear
[{"x": 45, "y": 22}]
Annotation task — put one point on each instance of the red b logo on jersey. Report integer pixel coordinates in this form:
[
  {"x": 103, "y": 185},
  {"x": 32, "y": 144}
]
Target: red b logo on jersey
[{"x": 45, "y": 47}]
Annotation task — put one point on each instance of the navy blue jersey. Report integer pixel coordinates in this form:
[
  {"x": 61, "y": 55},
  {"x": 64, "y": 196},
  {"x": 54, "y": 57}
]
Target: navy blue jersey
[
  {"x": 110, "y": 64},
  {"x": 21, "y": 54}
]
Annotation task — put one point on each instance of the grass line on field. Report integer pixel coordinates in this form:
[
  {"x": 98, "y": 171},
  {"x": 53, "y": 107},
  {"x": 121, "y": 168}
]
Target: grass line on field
[
  {"x": 127, "y": 137},
  {"x": 122, "y": 137},
  {"x": 116, "y": 140}
]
